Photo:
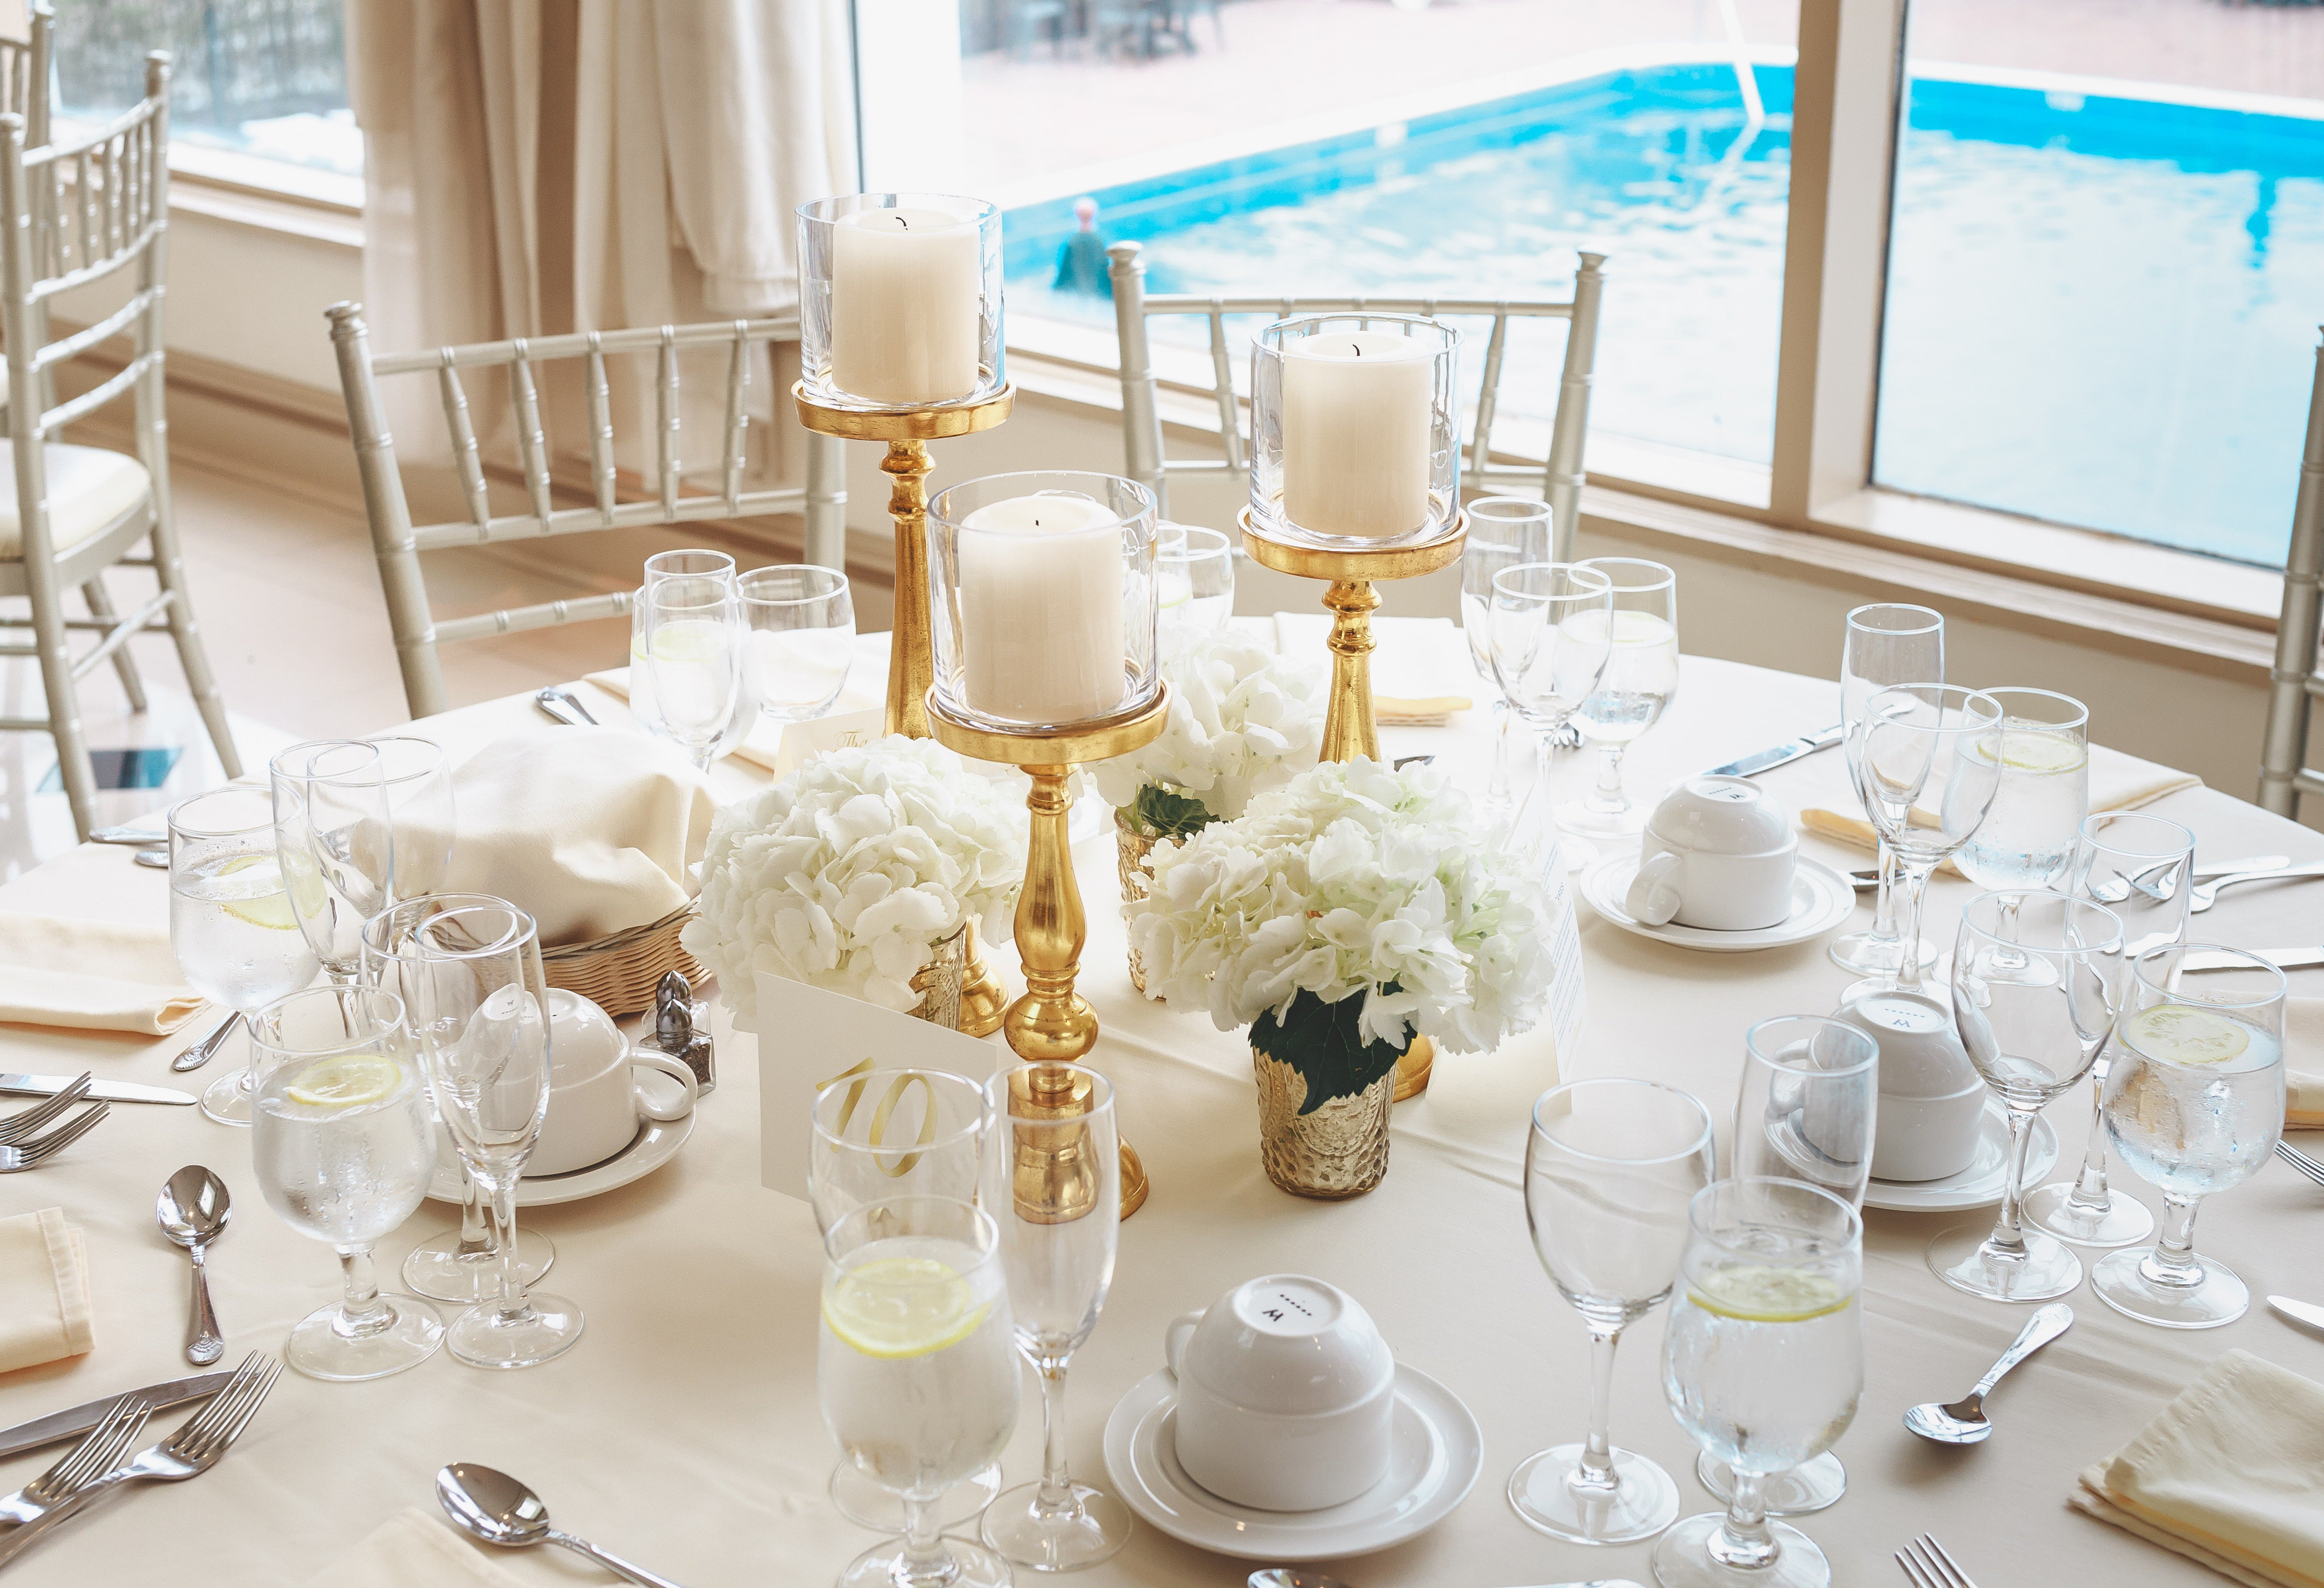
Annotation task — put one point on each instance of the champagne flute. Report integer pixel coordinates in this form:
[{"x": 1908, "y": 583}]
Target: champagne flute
[
  {"x": 1640, "y": 681},
  {"x": 1052, "y": 1184},
  {"x": 1549, "y": 651},
  {"x": 695, "y": 644},
  {"x": 1611, "y": 1167},
  {"x": 1504, "y": 532},
  {"x": 801, "y": 640},
  {"x": 419, "y": 778},
  {"x": 2034, "y": 1001},
  {"x": 2194, "y": 1102},
  {"x": 1887, "y": 644},
  {"x": 1764, "y": 1364},
  {"x": 336, "y": 841},
  {"x": 1194, "y": 585}
]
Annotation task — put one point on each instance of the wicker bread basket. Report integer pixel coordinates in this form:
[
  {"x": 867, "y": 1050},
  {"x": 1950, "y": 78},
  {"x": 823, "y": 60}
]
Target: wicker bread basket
[{"x": 619, "y": 972}]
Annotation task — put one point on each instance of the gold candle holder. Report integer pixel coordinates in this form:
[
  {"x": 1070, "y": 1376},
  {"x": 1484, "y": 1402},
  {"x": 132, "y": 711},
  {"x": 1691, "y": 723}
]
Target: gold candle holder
[
  {"x": 1052, "y": 1021},
  {"x": 912, "y": 659}
]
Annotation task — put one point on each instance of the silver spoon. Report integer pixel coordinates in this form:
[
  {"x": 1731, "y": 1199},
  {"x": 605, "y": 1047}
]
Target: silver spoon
[
  {"x": 498, "y": 1509},
  {"x": 204, "y": 1050},
  {"x": 1964, "y": 1421},
  {"x": 159, "y": 859},
  {"x": 193, "y": 1211}
]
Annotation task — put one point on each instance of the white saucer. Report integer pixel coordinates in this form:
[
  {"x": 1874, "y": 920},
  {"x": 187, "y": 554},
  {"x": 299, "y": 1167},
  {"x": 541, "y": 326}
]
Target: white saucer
[
  {"x": 1820, "y": 899},
  {"x": 1437, "y": 1451},
  {"x": 1980, "y": 1184},
  {"x": 655, "y": 1144}
]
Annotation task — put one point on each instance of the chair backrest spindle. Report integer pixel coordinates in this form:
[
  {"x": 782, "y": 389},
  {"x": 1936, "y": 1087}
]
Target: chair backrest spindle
[{"x": 2296, "y": 682}]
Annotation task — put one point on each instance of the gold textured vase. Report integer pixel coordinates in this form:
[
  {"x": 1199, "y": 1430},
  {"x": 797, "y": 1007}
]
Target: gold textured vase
[
  {"x": 939, "y": 983},
  {"x": 1338, "y": 1151},
  {"x": 1132, "y": 847}
]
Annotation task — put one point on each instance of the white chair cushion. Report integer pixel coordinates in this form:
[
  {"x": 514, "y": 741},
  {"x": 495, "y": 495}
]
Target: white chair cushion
[{"x": 88, "y": 488}]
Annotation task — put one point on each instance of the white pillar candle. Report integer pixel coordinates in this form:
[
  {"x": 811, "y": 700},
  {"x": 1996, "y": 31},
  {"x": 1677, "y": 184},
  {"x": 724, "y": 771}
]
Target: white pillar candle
[
  {"x": 1040, "y": 609},
  {"x": 1358, "y": 422},
  {"x": 907, "y": 286}
]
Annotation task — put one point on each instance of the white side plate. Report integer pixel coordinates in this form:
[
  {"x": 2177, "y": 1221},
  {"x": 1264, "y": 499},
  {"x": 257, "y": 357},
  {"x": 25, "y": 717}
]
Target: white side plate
[{"x": 1979, "y": 1185}]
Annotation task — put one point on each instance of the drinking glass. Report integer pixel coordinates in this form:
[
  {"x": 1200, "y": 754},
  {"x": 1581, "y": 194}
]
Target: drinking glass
[
  {"x": 1641, "y": 679},
  {"x": 1052, "y": 1184},
  {"x": 1504, "y": 532},
  {"x": 465, "y": 1266},
  {"x": 802, "y": 638},
  {"x": 484, "y": 1027},
  {"x": 692, "y": 562},
  {"x": 695, "y": 643},
  {"x": 1194, "y": 585},
  {"x": 2040, "y": 797},
  {"x": 2123, "y": 860},
  {"x": 1928, "y": 759},
  {"x": 1611, "y": 1167},
  {"x": 419, "y": 778},
  {"x": 1811, "y": 1088},
  {"x": 2034, "y": 1002},
  {"x": 231, "y": 924},
  {"x": 343, "y": 1147},
  {"x": 1887, "y": 644},
  {"x": 336, "y": 842},
  {"x": 915, "y": 1374},
  {"x": 1549, "y": 651},
  {"x": 1764, "y": 1364},
  {"x": 2194, "y": 1102},
  {"x": 882, "y": 1134}
]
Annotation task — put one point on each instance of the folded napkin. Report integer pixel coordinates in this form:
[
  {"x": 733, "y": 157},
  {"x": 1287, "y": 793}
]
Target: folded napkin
[
  {"x": 590, "y": 830},
  {"x": 781, "y": 748},
  {"x": 2304, "y": 1062},
  {"x": 2227, "y": 1475},
  {"x": 96, "y": 976},
  {"x": 43, "y": 1290},
  {"x": 1421, "y": 669},
  {"x": 412, "y": 1549}
]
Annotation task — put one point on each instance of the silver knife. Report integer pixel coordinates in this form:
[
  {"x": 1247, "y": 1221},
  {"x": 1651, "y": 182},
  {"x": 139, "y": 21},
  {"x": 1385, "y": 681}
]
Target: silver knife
[
  {"x": 80, "y": 1419},
  {"x": 2299, "y": 1312},
  {"x": 1759, "y": 761},
  {"x": 2283, "y": 959},
  {"x": 13, "y": 1085}
]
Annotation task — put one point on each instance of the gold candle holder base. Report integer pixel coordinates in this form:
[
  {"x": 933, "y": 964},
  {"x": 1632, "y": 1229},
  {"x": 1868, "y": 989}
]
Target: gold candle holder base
[{"x": 1052, "y": 1021}]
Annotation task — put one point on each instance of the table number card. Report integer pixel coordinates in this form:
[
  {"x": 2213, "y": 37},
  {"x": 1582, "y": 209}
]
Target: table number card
[{"x": 803, "y": 742}]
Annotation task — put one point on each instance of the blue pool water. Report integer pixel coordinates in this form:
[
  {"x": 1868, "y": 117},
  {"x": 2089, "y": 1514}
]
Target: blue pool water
[{"x": 2101, "y": 310}]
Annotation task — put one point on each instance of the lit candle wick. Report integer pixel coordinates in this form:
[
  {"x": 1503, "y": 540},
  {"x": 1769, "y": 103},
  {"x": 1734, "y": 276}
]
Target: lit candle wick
[
  {"x": 1360, "y": 352},
  {"x": 903, "y": 222}
]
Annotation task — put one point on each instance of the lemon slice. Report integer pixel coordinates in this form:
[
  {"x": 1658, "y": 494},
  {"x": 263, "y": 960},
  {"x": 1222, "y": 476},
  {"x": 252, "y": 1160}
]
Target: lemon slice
[
  {"x": 2172, "y": 1033},
  {"x": 690, "y": 640},
  {"x": 1173, "y": 589},
  {"x": 1760, "y": 1295},
  {"x": 902, "y": 1307},
  {"x": 2028, "y": 749},
  {"x": 345, "y": 1083},
  {"x": 265, "y": 904}
]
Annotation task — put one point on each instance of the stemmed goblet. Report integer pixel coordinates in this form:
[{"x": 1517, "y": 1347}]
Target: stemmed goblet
[
  {"x": 335, "y": 835},
  {"x": 1611, "y": 1167},
  {"x": 419, "y": 778},
  {"x": 801, "y": 640},
  {"x": 695, "y": 644},
  {"x": 2040, "y": 797},
  {"x": 1887, "y": 644},
  {"x": 1504, "y": 532},
  {"x": 1549, "y": 651},
  {"x": 1194, "y": 585},
  {"x": 1640, "y": 681},
  {"x": 688, "y": 563}
]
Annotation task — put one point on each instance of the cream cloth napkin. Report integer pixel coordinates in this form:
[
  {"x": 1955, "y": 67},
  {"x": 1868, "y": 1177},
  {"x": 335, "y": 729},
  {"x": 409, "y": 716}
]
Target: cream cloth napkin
[
  {"x": 2304, "y": 1063},
  {"x": 1421, "y": 669},
  {"x": 779, "y": 748},
  {"x": 94, "y": 976},
  {"x": 590, "y": 830},
  {"x": 412, "y": 1549},
  {"x": 44, "y": 1311},
  {"x": 2226, "y": 1474}
]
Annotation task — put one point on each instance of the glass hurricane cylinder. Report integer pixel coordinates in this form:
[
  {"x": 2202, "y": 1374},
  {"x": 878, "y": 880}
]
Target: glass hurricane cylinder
[
  {"x": 1355, "y": 429},
  {"x": 900, "y": 301}
]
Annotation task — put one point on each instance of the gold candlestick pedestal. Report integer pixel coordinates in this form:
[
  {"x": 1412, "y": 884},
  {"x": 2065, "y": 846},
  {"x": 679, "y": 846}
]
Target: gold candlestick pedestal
[
  {"x": 1052, "y": 1021},
  {"x": 911, "y": 656},
  {"x": 1349, "y": 729}
]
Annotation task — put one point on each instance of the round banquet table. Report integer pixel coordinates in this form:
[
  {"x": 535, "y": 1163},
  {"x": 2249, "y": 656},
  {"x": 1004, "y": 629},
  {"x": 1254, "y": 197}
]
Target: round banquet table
[{"x": 683, "y": 1431}]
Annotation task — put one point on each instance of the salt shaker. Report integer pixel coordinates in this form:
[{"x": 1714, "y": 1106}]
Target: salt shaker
[{"x": 679, "y": 1029}]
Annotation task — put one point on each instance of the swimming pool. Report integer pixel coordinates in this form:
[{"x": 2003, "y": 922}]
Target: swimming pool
[{"x": 2102, "y": 307}]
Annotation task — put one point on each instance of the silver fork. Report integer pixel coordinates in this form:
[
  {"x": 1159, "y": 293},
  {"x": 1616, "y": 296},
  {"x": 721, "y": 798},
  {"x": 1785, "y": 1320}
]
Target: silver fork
[
  {"x": 2300, "y": 1160},
  {"x": 188, "y": 1453},
  {"x": 17, "y": 1126},
  {"x": 95, "y": 1454},
  {"x": 1924, "y": 1561},
  {"x": 37, "y": 1151}
]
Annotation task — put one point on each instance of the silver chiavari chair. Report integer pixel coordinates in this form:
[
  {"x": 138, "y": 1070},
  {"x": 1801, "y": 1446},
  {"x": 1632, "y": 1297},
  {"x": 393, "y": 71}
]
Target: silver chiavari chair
[
  {"x": 398, "y": 544},
  {"x": 1559, "y": 480},
  {"x": 69, "y": 513},
  {"x": 25, "y": 66},
  {"x": 2295, "y": 681}
]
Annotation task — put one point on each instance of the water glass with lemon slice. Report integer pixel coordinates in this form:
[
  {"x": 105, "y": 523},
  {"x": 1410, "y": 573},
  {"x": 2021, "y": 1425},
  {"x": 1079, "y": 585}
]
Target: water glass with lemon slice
[
  {"x": 915, "y": 1369},
  {"x": 2040, "y": 796},
  {"x": 2194, "y": 1104},
  {"x": 1763, "y": 1364},
  {"x": 695, "y": 644},
  {"x": 342, "y": 1148},
  {"x": 232, "y": 926}
]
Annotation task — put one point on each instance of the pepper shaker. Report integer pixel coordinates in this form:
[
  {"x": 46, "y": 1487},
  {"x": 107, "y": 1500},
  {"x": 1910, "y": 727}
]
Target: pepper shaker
[{"x": 679, "y": 1030}]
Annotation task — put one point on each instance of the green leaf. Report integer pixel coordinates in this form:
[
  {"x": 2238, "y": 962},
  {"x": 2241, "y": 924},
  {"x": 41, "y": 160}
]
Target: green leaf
[
  {"x": 1164, "y": 813},
  {"x": 1323, "y": 1042}
]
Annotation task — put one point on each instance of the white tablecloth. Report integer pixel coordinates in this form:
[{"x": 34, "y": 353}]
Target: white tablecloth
[{"x": 682, "y": 1430}]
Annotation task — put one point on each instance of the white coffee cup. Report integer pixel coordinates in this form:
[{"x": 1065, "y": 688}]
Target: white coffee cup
[
  {"x": 1931, "y": 1099},
  {"x": 597, "y": 1100},
  {"x": 1286, "y": 1394},
  {"x": 1717, "y": 853}
]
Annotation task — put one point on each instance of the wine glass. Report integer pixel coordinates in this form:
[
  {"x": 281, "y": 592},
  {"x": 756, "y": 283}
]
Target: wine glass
[
  {"x": 1928, "y": 759},
  {"x": 1640, "y": 680},
  {"x": 343, "y": 1147},
  {"x": 880, "y": 1134},
  {"x": 484, "y": 1028},
  {"x": 1811, "y": 1090},
  {"x": 2027, "y": 837},
  {"x": 231, "y": 924},
  {"x": 1052, "y": 1184},
  {"x": 1610, "y": 1167},
  {"x": 2032, "y": 1007},
  {"x": 336, "y": 841},
  {"x": 689, "y": 562},
  {"x": 1504, "y": 532},
  {"x": 419, "y": 778},
  {"x": 2116, "y": 846},
  {"x": 1764, "y": 1364},
  {"x": 2194, "y": 1102},
  {"x": 1549, "y": 651},
  {"x": 1887, "y": 643},
  {"x": 695, "y": 643},
  {"x": 802, "y": 638},
  {"x": 915, "y": 1374},
  {"x": 1194, "y": 585}
]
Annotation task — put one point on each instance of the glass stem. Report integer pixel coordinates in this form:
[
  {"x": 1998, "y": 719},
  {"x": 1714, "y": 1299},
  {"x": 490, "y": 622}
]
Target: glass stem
[
  {"x": 475, "y": 1235},
  {"x": 2008, "y": 1237},
  {"x": 1744, "y": 1539},
  {"x": 1595, "y": 1471},
  {"x": 2172, "y": 1261},
  {"x": 1056, "y": 1491},
  {"x": 1607, "y": 796},
  {"x": 511, "y": 1306},
  {"x": 1912, "y": 888},
  {"x": 1884, "y": 902},
  {"x": 2090, "y": 1193},
  {"x": 361, "y": 1312},
  {"x": 1504, "y": 731},
  {"x": 925, "y": 1559}
]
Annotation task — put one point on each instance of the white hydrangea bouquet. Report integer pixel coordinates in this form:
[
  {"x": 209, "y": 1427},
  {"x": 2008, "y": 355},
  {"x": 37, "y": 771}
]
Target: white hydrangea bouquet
[
  {"x": 848, "y": 873},
  {"x": 1343, "y": 912}
]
